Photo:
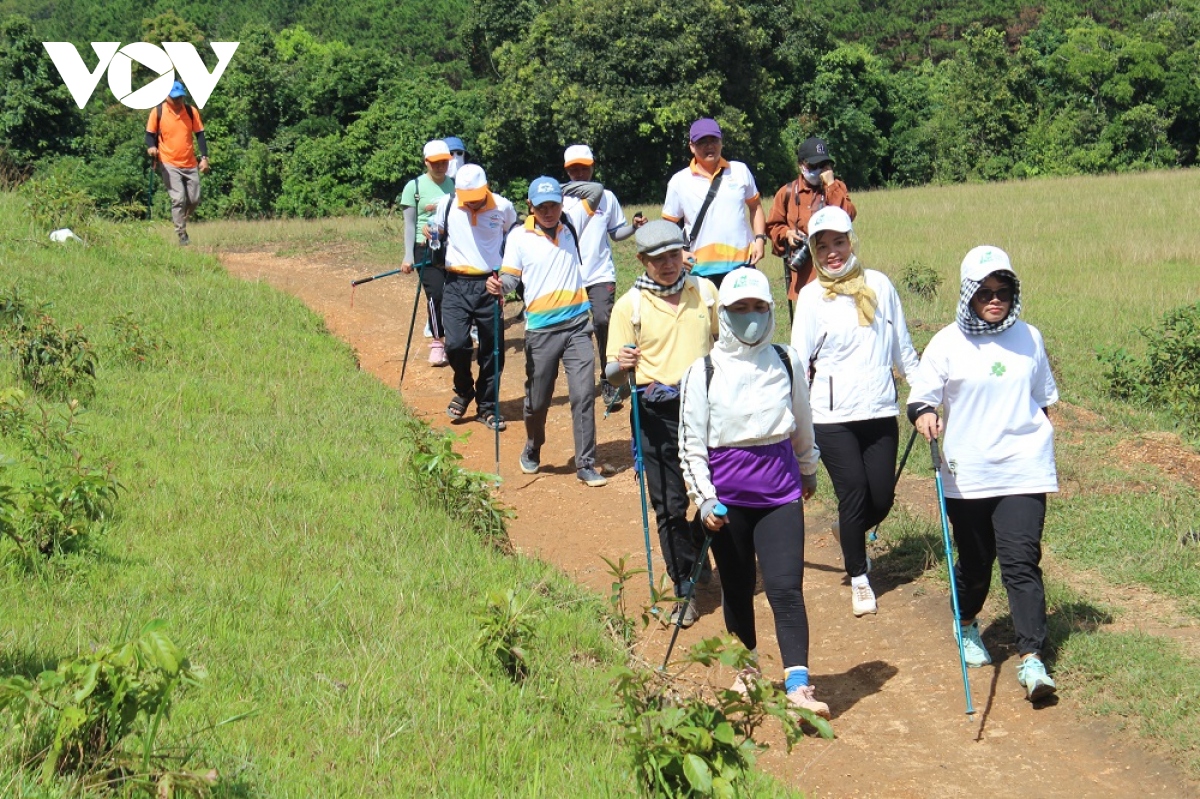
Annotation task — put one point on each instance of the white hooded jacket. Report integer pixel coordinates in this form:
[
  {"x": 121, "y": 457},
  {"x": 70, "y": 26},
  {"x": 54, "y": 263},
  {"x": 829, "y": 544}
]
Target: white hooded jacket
[
  {"x": 852, "y": 378},
  {"x": 748, "y": 403}
]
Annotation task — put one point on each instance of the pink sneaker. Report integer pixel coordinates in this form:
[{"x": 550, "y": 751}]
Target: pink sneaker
[
  {"x": 804, "y": 697},
  {"x": 437, "y": 353}
]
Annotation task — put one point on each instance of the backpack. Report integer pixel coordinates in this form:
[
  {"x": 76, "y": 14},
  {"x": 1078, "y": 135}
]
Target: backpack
[{"x": 158, "y": 119}]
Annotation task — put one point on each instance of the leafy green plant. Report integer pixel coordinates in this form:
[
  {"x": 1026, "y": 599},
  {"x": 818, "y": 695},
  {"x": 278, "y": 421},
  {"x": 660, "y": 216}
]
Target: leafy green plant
[
  {"x": 622, "y": 624},
  {"x": 103, "y": 710},
  {"x": 436, "y": 474},
  {"x": 921, "y": 279},
  {"x": 701, "y": 743},
  {"x": 1169, "y": 376},
  {"x": 135, "y": 344},
  {"x": 57, "y": 498},
  {"x": 506, "y": 630},
  {"x": 55, "y": 361}
]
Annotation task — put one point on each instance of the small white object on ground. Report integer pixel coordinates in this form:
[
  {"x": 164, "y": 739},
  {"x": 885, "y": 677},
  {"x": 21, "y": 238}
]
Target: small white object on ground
[{"x": 63, "y": 235}]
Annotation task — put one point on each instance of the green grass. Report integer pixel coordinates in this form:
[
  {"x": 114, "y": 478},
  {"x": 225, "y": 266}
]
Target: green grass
[{"x": 265, "y": 517}]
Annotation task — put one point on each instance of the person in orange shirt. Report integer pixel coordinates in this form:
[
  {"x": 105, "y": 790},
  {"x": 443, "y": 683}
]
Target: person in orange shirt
[{"x": 169, "y": 133}]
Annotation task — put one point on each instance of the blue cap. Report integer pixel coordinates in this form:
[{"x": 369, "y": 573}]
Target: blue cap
[
  {"x": 177, "y": 90},
  {"x": 455, "y": 143},
  {"x": 545, "y": 189}
]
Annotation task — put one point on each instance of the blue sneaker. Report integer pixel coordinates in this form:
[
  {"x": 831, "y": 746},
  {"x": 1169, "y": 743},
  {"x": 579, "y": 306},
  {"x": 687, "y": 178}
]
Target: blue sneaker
[
  {"x": 974, "y": 651},
  {"x": 1031, "y": 673}
]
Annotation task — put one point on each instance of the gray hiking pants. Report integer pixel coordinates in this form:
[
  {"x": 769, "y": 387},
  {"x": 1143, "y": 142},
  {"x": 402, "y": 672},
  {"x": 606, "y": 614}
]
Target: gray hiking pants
[
  {"x": 571, "y": 345},
  {"x": 183, "y": 187}
]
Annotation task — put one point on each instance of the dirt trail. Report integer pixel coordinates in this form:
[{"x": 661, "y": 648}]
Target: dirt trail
[{"x": 892, "y": 680}]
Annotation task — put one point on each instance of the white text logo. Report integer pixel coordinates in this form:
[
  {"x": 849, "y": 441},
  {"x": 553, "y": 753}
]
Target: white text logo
[{"x": 163, "y": 61}]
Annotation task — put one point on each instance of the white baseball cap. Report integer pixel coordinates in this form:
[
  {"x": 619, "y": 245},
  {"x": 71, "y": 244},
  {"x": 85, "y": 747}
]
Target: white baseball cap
[
  {"x": 437, "y": 150},
  {"x": 578, "y": 154},
  {"x": 982, "y": 261},
  {"x": 745, "y": 283},
  {"x": 829, "y": 218},
  {"x": 470, "y": 184}
]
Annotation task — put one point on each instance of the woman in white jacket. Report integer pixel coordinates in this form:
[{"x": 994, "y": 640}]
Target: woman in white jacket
[
  {"x": 746, "y": 441},
  {"x": 850, "y": 330},
  {"x": 990, "y": 374}
]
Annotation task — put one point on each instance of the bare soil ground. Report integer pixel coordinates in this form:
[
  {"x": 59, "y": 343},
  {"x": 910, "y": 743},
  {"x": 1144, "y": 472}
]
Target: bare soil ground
[{"x": 892, "y": 680}]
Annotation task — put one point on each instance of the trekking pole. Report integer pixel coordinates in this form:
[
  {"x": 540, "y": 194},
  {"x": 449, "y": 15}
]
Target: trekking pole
[
  {"x": 719, "y": 510},
  {"x": 413, "y": 321},
  {"x": 639, "y": 470},
  {"x": 362, "y": 280},
  {"x": 150, "y": 189},
  {"x": 874, "y": 536},
  {"x": 941, "y": 494},
  {"x": 499, "y": 331}
]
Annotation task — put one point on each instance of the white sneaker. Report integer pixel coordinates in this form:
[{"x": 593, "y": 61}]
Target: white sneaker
[
  {"x": 804, "y": 698},
  {"x": 428, "y": 332},
  {"x": 744, "y": 678},
  {"x": 862, "y": 599}
]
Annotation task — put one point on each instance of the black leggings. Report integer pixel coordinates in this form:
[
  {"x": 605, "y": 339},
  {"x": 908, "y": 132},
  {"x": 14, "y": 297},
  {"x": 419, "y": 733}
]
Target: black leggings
[
  {"x": 1008, "y": 528},
  {"x": 776, "y": 535},
  {"x": 433, "y": 281},
  {"x": 860, "y": 457}
]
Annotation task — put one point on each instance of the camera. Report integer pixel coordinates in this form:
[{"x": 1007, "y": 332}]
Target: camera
[{"x": 797, "y": 257}]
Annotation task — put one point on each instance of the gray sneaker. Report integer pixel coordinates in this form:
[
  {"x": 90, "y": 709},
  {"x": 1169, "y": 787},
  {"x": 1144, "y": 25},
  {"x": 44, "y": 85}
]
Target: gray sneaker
[
  {"x": 590, "y": 477},
  {"x": 529, "y": 460},
  {"x": 689, "y": 616}
]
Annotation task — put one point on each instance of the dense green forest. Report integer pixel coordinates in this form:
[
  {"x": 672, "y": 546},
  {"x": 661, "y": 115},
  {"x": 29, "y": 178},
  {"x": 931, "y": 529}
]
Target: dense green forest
[{"x": 324, "y": 106}]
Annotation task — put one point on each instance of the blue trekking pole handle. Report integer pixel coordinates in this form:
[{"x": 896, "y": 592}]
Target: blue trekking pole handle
[
  {"x": 640, "y": 472},
  {"x": 962, "y": 655}
]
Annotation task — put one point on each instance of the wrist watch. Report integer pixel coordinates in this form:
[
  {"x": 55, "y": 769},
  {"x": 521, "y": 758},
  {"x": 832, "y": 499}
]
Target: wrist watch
[{"x": 762, "y": 236}]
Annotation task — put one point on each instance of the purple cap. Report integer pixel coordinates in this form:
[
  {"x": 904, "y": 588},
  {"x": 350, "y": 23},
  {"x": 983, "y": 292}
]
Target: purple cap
[{"x": 704, "y": 127}]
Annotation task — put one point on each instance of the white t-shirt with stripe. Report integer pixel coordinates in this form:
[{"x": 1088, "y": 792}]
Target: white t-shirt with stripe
[
  {"x": 549, "y": 269},
  {"x": 725, "y": 234},
  {"x": 598, "y": 266},
  {"x": 475, "y": 237}
]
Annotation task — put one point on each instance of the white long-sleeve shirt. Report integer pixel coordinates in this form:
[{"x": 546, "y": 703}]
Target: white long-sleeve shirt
[
  {"x": 748, "y": 403},
  {"x": 853, "y": 363}
]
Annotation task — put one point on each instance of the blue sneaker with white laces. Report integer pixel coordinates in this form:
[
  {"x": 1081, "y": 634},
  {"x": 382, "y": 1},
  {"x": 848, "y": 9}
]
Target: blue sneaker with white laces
[
  {"x": 974, "y": 651},
  {"x": 1031, "y": 673}
]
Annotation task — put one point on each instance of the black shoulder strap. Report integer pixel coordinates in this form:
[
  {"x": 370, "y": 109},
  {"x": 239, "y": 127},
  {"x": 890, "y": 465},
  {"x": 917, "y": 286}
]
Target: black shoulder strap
[
  {"x": 504, "y": 241},
  {"x": 787, "y": 362},
  {"x": 708, "y": 372},
  {"x": 158, "y": 118},
  {"x": 567, "y": 221},
  {"x": 712, "y": 193}
]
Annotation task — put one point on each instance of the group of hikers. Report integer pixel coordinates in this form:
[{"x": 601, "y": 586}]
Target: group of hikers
[{"x": 727, "y": 422}]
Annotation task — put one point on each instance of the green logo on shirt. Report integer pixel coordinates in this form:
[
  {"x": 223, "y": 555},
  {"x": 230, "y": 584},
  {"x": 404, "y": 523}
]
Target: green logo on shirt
[{"x": 998, "y": 369}]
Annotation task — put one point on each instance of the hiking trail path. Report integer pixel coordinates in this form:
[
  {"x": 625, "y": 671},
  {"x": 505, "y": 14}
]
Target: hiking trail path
[{"x": 892, "y": 680}]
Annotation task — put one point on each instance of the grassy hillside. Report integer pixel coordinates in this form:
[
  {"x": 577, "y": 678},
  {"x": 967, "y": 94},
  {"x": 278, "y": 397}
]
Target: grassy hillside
[{"x": 265, "y": 516}]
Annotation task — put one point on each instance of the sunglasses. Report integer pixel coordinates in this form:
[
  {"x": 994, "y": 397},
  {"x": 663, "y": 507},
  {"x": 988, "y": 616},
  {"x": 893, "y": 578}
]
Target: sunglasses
[
  {"x": 457, "y": 152},
  {"x": 987, "y": 295}
]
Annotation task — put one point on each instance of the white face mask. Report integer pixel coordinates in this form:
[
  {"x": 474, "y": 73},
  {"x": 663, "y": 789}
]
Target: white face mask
[
  {"x": 851, "y": 262},
  {"x": 749, "y": 328}
]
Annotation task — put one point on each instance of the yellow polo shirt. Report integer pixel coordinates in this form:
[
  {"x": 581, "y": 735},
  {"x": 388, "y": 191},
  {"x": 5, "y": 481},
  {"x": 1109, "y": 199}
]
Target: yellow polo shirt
[{"x": 670, "y": 337}]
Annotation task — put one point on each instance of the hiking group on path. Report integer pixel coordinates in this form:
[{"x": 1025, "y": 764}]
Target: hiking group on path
[{"x": 723, "y": 420}]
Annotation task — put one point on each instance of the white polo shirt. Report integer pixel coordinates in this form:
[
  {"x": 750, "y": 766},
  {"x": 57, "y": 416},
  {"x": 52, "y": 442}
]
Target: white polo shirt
[
  {"x": 549, "y": 269},
  {"x": 474, "y": 238},
  {"x": 598, "y": 266},
  {"x": 725, "y": 235}
]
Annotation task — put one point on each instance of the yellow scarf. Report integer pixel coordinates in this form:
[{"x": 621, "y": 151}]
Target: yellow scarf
[{"x": 852, "y": 284}]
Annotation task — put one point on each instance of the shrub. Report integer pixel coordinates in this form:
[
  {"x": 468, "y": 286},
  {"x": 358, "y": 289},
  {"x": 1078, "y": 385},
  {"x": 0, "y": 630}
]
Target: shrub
[
  {"x": 506, "y": 630},
  {"x": 1169, "y": 376},
  {"x": 56, "y": 202},
  {"x": 701, "y": 744},
  {"x": 103, "y": 710},
  {"x": 921, "y": 279}
]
